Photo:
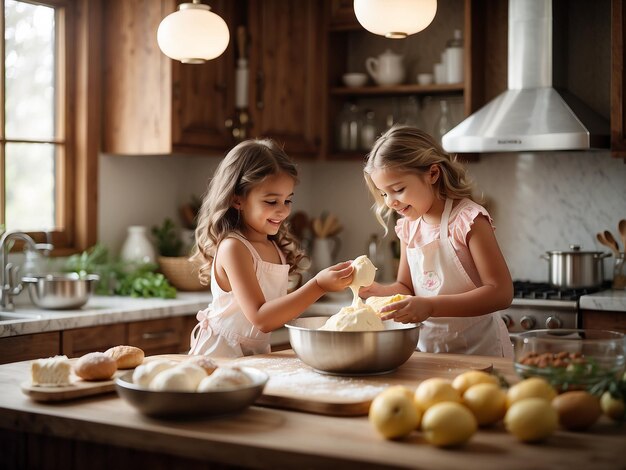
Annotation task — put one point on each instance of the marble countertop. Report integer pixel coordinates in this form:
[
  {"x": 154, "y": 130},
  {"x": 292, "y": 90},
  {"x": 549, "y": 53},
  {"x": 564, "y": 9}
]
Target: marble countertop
[
  {"x": 105, "y": 310},
  {"x": 609, "y": 300}
]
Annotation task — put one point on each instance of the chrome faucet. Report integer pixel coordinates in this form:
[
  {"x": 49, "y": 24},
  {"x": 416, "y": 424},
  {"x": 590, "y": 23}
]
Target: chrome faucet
[{"x": 10, "y": 286}]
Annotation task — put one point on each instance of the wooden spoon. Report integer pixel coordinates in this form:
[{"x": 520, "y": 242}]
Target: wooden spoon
[
  {"x": 611, "y": 241},
  {"x": 602, "y": 239},
  {"x": 621, "y": 226}
]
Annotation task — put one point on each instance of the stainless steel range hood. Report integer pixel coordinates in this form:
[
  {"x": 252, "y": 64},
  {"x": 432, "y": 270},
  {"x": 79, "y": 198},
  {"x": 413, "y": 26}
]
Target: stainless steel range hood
[{"x": 530, "y": 115}]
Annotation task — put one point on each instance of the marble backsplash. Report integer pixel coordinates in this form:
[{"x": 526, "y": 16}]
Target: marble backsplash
[{"x": 539, "y": 201}]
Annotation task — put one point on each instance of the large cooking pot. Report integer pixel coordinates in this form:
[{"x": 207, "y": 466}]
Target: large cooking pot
[{"x": 576, "y": 269}]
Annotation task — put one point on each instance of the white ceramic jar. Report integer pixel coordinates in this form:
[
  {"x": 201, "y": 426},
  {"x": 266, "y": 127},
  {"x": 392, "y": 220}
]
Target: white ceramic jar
[{"x": 137, "y": 246}]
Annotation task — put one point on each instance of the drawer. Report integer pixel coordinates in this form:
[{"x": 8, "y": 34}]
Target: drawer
[
  {"x": 26, "y": 347},
  {"x": 161, "y": 336},
  {"x": 80, "y": 341}
]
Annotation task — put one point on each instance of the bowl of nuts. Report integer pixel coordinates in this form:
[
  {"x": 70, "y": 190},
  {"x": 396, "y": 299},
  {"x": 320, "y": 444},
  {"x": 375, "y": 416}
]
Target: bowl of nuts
[{"x": 570, "y": 359}]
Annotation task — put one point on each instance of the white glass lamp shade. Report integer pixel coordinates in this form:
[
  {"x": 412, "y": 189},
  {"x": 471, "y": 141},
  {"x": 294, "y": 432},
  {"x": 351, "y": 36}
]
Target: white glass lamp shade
[
  {"x": 193, "y": 34},
  {"x": 395, "y": 18}
]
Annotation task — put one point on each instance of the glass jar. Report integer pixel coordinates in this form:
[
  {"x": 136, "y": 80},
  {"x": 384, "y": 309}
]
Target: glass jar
[
  {"x": 443, "y": 124},
  {"x": 619, "y": 272},
  {"x": 349, "y": 128},
  {"x": 369, "y": 130}
]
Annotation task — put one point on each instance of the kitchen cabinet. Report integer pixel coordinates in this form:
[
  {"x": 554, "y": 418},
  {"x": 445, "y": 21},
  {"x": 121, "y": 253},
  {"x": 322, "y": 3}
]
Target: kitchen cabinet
[
  {"x": 287, "y": 57},
  {"x": 152, "y": 104},
  {"x": 350, "y": 45},
  {"x": 25, "y": 347},
  {"x": 161, "y": 336},
  {"x": 80, "y": 341},
  {"x": 618, "y": 80},
  {"x": 603, "y": 320}
]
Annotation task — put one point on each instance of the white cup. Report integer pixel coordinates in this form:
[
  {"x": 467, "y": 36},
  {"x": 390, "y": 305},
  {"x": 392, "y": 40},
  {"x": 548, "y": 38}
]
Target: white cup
[{"x": 425, "y": 78}]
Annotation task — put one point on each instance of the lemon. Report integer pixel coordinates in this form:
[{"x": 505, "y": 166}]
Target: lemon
[
  {"x": 531, "y": 419},
  {"x": 393, "y": 412},
  {"x": 448, "y": 424},
  {"x": 472, "y": 377},
  {"x": 487, "y": 401},
  {"x": 533, "y": 387},
  {"x": 612, "y": 407},
  {"x": 435, "y": 390}
]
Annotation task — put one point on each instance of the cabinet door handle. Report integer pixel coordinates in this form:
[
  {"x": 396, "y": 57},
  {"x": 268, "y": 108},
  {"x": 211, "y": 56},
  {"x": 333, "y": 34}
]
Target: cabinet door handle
[
  {"x": 260, "y": 84},
  {"x": 157, "y": 334}
]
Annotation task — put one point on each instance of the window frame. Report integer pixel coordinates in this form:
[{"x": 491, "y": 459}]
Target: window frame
[{"x": 79, "y": 119}]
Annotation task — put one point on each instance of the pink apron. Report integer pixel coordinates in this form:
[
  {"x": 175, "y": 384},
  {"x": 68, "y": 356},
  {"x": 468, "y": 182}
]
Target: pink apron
[
  {"x": 223, "y": 330},
  {"x": 436, "y": 269}
]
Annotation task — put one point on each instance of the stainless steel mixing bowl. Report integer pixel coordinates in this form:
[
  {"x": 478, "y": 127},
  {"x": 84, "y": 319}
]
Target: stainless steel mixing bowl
[
  {"x": 352, "y": 352},
  {"x": 173, "y": 404},
  {"x": 61, "y": 291}
]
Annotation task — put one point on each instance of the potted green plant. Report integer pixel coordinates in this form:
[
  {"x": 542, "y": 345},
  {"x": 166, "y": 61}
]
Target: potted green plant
[{"x": 172, "y": 260}]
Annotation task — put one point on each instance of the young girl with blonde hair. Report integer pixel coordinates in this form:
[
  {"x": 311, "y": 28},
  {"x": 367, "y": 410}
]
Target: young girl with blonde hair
[
  {"x": 247, "y": 253},
  {"x": 450, "y": 265}
]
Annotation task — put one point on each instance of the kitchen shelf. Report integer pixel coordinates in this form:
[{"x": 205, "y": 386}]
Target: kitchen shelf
[{"x": 411, "y": 89}]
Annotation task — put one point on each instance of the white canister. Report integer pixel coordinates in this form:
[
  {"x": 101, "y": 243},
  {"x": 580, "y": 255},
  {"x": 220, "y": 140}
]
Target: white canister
[
  {"x": 137, "y": 246},
  {"x": 454, "y": 58},
  {"x": 439, "y": 73}
]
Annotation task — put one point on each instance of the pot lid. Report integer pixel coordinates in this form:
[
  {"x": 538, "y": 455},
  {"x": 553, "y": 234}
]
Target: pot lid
[{"x": 575, "y": 250}]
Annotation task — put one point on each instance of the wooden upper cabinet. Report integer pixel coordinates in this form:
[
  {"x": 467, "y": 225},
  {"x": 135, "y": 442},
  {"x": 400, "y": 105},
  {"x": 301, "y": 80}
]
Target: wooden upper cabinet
[
  {"x": 287, "y": 69},
  {"x": 618, "y": 80},
  {"x": 152, "y": 104}
]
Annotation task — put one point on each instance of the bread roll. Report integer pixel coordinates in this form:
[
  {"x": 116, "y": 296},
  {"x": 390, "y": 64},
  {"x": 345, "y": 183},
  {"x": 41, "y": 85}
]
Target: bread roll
[
  {"x": 225, "y": 378},
  {"x": 172, "y": 380},
  {"x": 144, "y": 373},
  {"x": 193, "y": 371},
  {"x": 51, "y": 372},
  {"x": 127, "y": 357},
  {"x": 95, "y": 366},
  {"x": 205, "y": 362}
]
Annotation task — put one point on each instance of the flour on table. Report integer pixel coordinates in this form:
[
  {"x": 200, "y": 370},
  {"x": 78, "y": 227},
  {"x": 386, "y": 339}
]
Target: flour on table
[{"x": 288, "y": 374}]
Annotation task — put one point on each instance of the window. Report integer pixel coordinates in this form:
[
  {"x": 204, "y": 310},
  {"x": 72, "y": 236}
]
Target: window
[{"x": 46, "y": 89}]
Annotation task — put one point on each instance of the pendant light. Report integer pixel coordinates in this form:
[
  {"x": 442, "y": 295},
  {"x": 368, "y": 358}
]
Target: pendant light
[
  {"x": 395, "y": 19},
  {"x": 193, "y": 34}
]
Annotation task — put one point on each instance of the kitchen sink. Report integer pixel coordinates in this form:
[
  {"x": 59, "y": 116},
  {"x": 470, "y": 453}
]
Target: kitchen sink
[{"x": 12, "y": 317}]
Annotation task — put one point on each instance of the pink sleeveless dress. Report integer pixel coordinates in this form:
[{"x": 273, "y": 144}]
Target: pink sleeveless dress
[{"x": 223, "y": 330}]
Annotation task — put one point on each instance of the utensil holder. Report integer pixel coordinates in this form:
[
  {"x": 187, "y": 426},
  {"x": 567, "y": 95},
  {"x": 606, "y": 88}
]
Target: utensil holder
[{"x": 619, "y": 271}]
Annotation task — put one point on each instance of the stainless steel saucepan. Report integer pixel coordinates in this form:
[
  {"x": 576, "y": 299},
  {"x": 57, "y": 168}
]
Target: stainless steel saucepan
[{"x": 576, "y": 269}]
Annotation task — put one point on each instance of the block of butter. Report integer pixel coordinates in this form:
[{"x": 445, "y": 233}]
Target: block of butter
[
  {"x": 51, "y": 372},
  {"x": 379, "y": 302}
]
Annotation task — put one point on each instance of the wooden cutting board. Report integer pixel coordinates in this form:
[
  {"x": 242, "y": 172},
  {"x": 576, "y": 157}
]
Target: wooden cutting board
[
  {"x": 78, "y": 388},
  {"x": 296, "y": 386}
]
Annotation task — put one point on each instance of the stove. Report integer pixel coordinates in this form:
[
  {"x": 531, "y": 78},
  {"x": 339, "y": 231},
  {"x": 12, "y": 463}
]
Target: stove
[{"x": 538, "y": 305}]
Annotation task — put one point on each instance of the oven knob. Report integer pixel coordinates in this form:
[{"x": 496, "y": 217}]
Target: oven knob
[
  {"x": 528, "y": 323},
  {"x": 508, "y": 322},
  {"x": 554, "y": 323}
]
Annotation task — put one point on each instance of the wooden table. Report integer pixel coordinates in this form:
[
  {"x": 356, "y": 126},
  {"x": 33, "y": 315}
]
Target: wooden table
[{"x": 105, "y": 432}]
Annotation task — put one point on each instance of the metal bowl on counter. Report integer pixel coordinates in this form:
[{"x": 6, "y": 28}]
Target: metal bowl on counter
[
  {"x": 570, "y": 359},
  {"x": 62, "y": 291},
  {"x": 352, "y": 352},
  {"x": 173, "y": 404}
]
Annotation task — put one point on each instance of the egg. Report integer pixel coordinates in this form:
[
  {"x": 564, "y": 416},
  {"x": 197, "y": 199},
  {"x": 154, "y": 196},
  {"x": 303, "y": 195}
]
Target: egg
[{"x": 577, "y": 410}]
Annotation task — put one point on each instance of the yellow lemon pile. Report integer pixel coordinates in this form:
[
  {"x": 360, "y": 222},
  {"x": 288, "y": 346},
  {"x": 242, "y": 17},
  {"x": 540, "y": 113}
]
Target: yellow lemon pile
[{"x": 448, "y": 413}]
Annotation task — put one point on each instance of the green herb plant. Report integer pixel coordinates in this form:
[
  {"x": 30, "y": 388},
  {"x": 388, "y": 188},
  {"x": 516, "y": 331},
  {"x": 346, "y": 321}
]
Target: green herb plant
[
  {"x": 120, "y": 277},
  {"x": 167, "y": 239}
]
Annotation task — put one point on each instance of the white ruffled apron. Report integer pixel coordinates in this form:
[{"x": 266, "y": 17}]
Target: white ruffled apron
[
  {"x": 223, "y": 330},
  {"x": 436, "y": 270}
]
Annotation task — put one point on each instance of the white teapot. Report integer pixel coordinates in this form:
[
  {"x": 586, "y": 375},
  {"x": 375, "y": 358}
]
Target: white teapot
[{"x": 387, "y": 69}]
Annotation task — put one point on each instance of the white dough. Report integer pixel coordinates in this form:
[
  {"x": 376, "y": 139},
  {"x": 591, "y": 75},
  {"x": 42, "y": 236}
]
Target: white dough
[
  {"x": 364, "y": 275},
  {"x": 172, "y": 380},
  {"x": 225, "y": 378},
  {"x": 360, "y": 318},
  {"x": 193, "y": 371},
  {"x": 144, "y": 373}
]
